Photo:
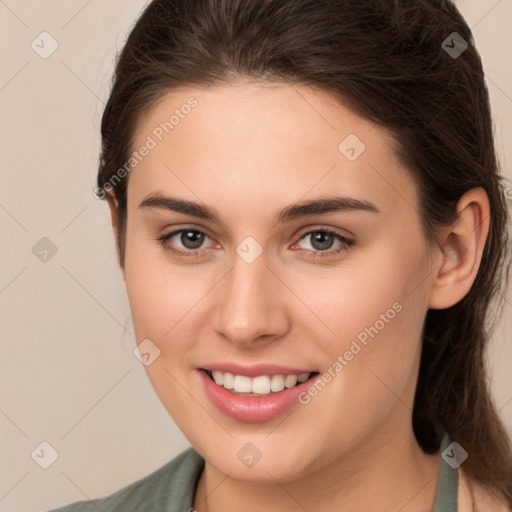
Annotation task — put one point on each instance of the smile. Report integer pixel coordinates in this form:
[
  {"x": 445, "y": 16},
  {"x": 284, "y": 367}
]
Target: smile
[{"x": 262, "y": 394}]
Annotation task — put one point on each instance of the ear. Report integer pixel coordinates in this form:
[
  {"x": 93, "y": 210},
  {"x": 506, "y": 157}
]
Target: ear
[
  {"x": 113, "y": 205},
  {"x": 460, "y": 249}
]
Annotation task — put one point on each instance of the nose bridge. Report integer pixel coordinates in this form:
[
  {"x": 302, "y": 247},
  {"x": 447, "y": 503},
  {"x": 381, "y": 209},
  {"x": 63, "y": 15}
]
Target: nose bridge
[{"x": 250, "y": 306}]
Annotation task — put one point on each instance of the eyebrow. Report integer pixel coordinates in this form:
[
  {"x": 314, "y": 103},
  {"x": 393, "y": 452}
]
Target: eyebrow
[{"x": 330, "y": 204}]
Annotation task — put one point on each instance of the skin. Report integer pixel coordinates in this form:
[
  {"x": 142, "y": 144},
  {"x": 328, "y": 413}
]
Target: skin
[{"x": 248, "y": 150}]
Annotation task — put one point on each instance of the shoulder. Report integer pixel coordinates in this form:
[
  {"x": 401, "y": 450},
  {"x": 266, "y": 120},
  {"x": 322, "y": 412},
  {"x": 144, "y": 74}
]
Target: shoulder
[
  {"x": 484, "y": 499},
  {"x": 168, "y": 488}
]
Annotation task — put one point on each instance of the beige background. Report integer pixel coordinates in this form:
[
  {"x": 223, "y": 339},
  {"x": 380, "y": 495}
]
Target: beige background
[{"x": 68, "y": 375}]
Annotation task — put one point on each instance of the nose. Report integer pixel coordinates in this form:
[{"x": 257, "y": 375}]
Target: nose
[{"x": 251, "y": 304}]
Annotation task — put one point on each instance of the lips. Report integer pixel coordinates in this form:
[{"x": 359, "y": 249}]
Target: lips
[{"x": 255, "y": 394}]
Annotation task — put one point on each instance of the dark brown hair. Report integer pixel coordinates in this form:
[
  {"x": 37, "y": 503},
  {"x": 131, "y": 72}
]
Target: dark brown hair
[{"x": 386, "y": 60}]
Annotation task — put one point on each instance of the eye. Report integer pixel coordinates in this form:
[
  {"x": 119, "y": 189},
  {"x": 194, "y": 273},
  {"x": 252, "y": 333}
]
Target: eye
[
  {"x": 185, "y": 241},
  {"x": 189, "y": 242},
  {"x": 321, "y": 242}
]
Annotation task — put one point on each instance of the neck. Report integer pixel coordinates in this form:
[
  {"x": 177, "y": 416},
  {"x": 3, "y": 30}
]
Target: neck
[{"x": 386, "y": 471}]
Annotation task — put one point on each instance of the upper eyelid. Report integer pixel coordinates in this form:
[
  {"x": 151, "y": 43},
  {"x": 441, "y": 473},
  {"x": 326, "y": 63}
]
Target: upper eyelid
[
  {"x": 334, "y": 231},
  {"x": 301, "y": 232},
  {"x": 175, "y": 231}
]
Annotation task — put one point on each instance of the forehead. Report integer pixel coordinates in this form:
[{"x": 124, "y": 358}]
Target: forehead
[{"x": 264, "y": 141}]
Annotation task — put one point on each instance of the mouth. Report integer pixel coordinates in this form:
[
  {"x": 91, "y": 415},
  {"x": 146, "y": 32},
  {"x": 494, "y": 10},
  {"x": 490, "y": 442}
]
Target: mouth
[
  {"x": 259, "y": 385},
  {"x": 257, "y": 393}
]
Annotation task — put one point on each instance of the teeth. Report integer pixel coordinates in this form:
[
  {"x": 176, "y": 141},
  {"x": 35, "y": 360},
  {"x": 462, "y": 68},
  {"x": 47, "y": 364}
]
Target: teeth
[
  {"x": 218, "y": 377},
  {"x": 261, "y": 385},
  {"x": 228, "y": 380},
  {"x": 277, "y": 383},
  {"x": 290, "y": 381},
  {"x": 242, "y": 384}
]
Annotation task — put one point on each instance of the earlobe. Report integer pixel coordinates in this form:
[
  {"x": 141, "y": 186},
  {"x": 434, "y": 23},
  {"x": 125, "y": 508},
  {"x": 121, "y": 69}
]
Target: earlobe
[{"x": 460, "y": 250}]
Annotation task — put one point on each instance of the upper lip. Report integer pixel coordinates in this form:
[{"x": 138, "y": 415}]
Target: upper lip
[{"x": 255, "y": 370}]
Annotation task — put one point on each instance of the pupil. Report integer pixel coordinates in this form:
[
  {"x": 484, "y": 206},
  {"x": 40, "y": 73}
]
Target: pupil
[
  {"x": 322, "y": 240},
  {"x": 192, "y": 239}
]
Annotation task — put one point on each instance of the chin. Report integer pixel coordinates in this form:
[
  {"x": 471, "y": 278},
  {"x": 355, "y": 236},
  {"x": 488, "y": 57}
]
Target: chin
[{"x": 258, "y": 460}]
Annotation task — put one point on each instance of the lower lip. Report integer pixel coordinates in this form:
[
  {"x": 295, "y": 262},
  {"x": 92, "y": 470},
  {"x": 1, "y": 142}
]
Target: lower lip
[{"x": 253, "y": 408}]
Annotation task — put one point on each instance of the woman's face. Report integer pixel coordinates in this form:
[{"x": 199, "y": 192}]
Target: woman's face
[{"x": 264, "y": 285}]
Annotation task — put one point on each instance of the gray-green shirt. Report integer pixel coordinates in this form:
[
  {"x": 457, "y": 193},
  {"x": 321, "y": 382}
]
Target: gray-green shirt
[{"x": 171, "y": 488}]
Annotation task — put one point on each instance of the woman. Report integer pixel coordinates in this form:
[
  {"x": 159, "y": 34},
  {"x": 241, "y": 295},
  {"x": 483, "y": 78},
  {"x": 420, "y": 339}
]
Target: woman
[{"x": 311, "y": 226}]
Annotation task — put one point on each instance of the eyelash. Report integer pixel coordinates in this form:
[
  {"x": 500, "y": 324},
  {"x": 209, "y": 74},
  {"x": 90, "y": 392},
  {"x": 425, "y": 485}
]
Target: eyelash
[{"x": 346, "y": 243}]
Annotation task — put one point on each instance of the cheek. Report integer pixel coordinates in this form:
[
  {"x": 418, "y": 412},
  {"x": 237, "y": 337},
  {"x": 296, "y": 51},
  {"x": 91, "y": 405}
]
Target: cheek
[
  {"x": 365, "y": 291},
  {"x": 160, "y": 293},
  {"x": 375, "y": 309},
  {"x": 162, "y": 298},
  {"x": 167, "y": 302}
]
